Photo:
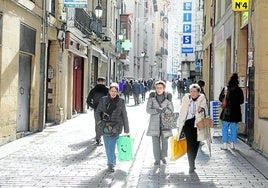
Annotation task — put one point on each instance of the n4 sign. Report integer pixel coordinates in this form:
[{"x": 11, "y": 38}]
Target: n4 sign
[{"x": 240, "y": 5}]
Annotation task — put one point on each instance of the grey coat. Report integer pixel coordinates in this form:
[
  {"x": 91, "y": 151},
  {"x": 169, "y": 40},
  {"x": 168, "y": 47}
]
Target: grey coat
[
  {"x": 154, "y": 123},
  {"x": 119, "y": 115}
]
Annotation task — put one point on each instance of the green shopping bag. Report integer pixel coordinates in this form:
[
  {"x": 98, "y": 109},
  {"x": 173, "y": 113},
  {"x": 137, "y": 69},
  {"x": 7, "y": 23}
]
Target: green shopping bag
[{"x": 124, "y": 148}]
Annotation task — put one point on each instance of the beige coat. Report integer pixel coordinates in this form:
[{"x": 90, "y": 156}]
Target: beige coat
[{"x": 201, "y": 102}]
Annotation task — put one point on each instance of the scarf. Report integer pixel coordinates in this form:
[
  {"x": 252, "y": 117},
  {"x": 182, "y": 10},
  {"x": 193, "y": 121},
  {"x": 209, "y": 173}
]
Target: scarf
[{"x": 111, "y": 104}]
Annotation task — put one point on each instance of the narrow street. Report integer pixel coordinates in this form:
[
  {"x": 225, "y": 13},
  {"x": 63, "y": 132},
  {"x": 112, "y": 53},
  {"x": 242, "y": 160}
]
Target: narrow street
[{"x": 65, "y": 156}]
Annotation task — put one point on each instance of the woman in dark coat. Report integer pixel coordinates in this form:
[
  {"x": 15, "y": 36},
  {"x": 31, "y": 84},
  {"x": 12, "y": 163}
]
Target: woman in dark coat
[
  {"x": 231, "y": 114},
  {"x": 112, "y": 109}
]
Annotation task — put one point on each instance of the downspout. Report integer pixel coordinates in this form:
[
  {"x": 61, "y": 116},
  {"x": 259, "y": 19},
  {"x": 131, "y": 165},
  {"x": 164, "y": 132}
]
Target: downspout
[
  {"x": 41, "y": 120},
  {"x": 251, "y": 72}
]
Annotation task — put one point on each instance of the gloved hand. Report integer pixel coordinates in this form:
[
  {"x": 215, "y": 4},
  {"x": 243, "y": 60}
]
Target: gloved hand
[{"x": 159, "y": 110}]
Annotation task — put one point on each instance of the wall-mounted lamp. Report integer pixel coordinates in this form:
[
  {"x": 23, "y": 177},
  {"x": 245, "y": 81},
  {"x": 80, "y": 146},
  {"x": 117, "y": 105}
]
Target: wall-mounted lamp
[
  {"x": 143, "y": 54},
  {"x": 98, "y": 10},
  {"x": 120, "y": 36}
]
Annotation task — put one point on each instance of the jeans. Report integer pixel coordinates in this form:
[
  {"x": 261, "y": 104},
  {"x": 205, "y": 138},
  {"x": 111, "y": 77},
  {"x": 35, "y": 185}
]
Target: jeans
[
  {"x": 109, "y": 143},
  {"x": 233, "y": 131}
]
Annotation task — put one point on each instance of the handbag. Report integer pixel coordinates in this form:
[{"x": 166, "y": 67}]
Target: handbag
[
  {"x": 205, "y": 122},
  {"x": 106, "y": 128},
  {"x": 178, "y": 148},
  {"x": 224, "y": 100},
  {"x": 125, "y": 148},
  {"x": 168, "y": 119}
]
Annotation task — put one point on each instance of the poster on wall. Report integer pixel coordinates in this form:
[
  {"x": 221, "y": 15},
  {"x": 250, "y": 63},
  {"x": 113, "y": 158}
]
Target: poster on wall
[{"x": 75, "y": 3}]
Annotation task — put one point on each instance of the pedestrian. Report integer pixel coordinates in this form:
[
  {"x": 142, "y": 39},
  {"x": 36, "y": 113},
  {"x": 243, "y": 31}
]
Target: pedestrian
[
  {"x": 188, "y": 82},
  {"x": 157, "y": 101},
  {"x": 231, "y": 114},
  {"x": 93, "y": 98},
  {"x": 173, "y": 85},
  {"x": 112, "y": 109},
  {"x": 126, "y": 91},
  {"x": 202, "y": 83},
  {"x": 180, "y": 88},
  {"x": 121, "y": 86},
  {"x": 136, "y": 91},
  {"x": 192, "y": 106}
]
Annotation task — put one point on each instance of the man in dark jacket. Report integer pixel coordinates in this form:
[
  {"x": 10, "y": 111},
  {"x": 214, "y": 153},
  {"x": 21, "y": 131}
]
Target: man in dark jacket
[{"x": 93, "y": 99}]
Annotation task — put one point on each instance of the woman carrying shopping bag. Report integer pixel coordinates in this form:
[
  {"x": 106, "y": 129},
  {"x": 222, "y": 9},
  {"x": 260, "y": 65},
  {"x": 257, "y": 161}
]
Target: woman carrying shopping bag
[
  {"x": 156, "y": 103},
  {"x": 192, "y": 106},
  {"x": 112, "y": 117}
]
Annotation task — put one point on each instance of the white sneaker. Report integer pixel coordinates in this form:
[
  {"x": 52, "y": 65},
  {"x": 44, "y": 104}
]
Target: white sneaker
[
  {"x": 224, "y": 146},
  {"x": 232, "y": 145}
]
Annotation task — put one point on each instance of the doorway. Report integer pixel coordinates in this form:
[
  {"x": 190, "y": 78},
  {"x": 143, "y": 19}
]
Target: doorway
[
  {"x": 24, "y": 86},
  {"x": 78, "y": 85}
]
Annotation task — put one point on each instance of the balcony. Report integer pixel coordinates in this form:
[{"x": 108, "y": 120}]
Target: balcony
[{"x": 86, "y": 22}]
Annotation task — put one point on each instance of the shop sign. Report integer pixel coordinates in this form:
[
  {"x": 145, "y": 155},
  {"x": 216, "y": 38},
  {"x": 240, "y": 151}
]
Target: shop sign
[
  {"x": 240, "y": 5},
  {"x": 75, "y": 3}
]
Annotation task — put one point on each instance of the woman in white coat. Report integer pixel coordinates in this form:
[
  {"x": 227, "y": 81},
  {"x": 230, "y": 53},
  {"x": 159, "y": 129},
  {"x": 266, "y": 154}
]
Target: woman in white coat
[{"x": 191, "y": 113}]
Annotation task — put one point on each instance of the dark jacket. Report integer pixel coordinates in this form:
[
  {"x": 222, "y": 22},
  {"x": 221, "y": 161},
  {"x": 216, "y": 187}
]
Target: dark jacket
[
  {"x": 96, "y": 94},
  {"x": 127, "y": 89},
  {"x": 136, "y": 89},
  {"x": 119, "y": 115},
  {"x": 232, "y": 111}
]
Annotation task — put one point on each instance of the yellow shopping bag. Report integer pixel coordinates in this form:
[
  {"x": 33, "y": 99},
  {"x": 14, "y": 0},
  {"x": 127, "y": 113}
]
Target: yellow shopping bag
[{"x": 177, "y": 147}]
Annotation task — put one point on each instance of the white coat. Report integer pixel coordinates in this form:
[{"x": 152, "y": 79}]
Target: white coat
[{"x": 201, "y": 102}]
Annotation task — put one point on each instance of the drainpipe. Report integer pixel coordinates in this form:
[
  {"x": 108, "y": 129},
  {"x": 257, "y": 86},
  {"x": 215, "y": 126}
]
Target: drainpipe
[
  {"x": 251, "y": 77},
  {"x": 42, "y": 105}
]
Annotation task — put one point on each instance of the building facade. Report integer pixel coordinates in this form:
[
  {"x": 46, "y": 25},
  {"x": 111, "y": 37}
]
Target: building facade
[
  {"x": 47, "y": 82},
  {"x": 234, "y": 43}
]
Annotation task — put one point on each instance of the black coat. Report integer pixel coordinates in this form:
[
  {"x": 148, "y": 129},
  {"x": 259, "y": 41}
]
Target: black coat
[
  {"x": 232, "y": 111},
  {"x": 96, "y": 94}
]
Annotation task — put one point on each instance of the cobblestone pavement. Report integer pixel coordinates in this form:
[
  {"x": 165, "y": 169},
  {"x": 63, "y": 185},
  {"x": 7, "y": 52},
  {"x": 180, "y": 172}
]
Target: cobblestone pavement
[{"x": 65, "y": 156}]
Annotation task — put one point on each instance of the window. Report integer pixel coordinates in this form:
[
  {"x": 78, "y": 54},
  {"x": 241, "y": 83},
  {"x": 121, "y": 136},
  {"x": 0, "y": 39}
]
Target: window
[
  {"x": 27, "y": 39},
  {"x": 51, "y": 7}
]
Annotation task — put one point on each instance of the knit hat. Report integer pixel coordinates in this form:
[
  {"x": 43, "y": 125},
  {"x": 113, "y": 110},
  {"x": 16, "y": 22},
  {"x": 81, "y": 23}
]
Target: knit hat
[{"x": 115, "y": 85}]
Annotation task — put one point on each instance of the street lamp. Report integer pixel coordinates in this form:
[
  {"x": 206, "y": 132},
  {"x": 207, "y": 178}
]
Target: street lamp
[
  {"x": 143, "y": 55},
  {"x": 98, "y": 10}
]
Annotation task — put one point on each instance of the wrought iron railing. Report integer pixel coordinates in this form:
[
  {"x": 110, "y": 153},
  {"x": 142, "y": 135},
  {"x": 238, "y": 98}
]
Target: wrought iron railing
[{"x": 87, "y": 23}]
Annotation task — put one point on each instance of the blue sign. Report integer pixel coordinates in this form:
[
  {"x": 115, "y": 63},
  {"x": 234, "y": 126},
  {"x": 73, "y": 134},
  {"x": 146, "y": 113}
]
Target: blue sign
[
  {"x": 75, "y": 3},
  {"x": 187, "y": 17},
  {"x": 187, "y": 39},
  {"x": 187, "y": 28},
  {"x": 187, "y": 50},
  {"x": 197, "y": 64},
  {"x": 187, "y": 6}
]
